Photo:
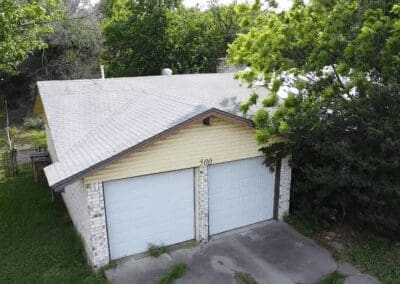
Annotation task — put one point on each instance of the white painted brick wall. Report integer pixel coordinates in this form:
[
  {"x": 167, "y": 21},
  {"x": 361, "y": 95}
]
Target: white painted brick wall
[
  {"x": 201, "y": 193},
  {"x": 284, "y": 188},
  {"x": 97, "y": 222},
  {"x": 85, "y": 206},
  {"x": 76, "y": 200}
]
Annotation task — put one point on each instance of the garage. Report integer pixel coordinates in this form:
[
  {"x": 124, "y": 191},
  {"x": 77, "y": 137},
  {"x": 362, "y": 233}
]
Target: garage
[
  {"x": 155, "y": 209},
  {"x": 240, "y": 193}
]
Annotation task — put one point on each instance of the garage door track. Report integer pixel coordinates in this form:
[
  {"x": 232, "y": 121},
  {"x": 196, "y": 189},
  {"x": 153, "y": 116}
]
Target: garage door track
[{"x": 270, "y": 252}]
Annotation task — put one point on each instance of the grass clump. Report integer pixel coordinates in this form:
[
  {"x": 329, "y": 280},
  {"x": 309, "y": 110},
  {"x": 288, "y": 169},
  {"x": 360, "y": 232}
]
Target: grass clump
[
  {"x": 244, "y": 278},
  {"x": 32, "y": 137},
  {"x": 380, "y": 258},
  {"x": 156, "y": 251},
  {"x": 333, "y": 278},
  {"x": 303, "y": 226},
  {"x": 38, "y": 242},
  {"x": 177, "y": 271}
]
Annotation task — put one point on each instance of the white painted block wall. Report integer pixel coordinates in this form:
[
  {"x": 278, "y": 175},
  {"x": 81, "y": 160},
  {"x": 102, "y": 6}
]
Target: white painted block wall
[{"x": 75, "y": 198}]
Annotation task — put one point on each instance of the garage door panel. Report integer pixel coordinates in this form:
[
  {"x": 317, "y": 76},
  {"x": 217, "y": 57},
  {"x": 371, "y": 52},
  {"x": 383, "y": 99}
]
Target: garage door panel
[
  {"x": 146, "y": 210},
  {"x": 240, "y": 194}
]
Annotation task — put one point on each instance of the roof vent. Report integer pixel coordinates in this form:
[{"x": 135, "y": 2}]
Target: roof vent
[{"x": 166, "y": 71}]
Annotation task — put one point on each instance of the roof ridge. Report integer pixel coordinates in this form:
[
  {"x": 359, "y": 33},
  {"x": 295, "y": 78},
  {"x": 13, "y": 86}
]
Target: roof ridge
[
  {"x": 119, "y": 111},
  {"x": 137, "y": 77}
]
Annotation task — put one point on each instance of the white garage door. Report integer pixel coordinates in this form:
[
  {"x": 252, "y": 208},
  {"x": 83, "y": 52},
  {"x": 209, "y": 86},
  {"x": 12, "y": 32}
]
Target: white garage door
[
  {"x": 240, "y": 193},
  {"x": 155, "y": 209}
]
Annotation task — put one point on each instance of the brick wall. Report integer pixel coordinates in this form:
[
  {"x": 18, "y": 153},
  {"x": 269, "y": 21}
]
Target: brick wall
[
  {"x": 97, "y": 222},
  {"x": 201, "y": 195},
  {"x": 76, "y": 200},
  {"x": 284, "y": 188},
  {"x": 85, "y": 206}
]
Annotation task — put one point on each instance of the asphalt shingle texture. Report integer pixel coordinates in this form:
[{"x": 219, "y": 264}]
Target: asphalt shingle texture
[{"x": 92, "y": 120}]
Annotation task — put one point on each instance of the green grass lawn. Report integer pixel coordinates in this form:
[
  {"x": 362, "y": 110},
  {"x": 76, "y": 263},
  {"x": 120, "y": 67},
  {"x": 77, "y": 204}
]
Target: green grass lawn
[{"x": 38, "y": 241}]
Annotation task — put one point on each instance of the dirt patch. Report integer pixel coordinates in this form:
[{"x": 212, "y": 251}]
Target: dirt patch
[{"x": 340, "y": 239}]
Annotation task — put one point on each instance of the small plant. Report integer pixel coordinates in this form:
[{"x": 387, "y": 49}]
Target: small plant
[
  {"x": 177, "y": 271},
  {"x": 190, "y": 245},
  {"x": 156, "y": 251},
  {"x": 244, "y": 278},
  {"x": 333, "y": 278}
]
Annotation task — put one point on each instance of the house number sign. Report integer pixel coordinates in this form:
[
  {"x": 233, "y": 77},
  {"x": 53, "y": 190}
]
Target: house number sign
[{"x": 206, "y": 162}]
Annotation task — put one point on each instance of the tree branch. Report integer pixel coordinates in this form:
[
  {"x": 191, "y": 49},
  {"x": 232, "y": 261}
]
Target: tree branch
[{"x": 340, "y": 81}]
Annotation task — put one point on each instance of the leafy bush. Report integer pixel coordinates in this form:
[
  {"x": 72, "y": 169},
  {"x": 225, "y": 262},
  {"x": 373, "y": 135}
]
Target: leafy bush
[{"x": 341, "y": 59}]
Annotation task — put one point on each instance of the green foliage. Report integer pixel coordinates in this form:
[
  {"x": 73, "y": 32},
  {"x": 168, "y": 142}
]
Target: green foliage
[
  {"x": 142, "y": 38},
  {"x": 39, "y": 243},
  {"x": 22, "y": 27},
  {"x": 156, "y": 251},
  {"x": 308, "y": 228},
  {"x": 73, "y": 48},
  {"x": 333, "y": 278},
  {"x": 244, "y": 278},
  {"x": 380, "y": 258},
  {"x": 174, "y": 273},
  {"x": 342, "y": 58}
]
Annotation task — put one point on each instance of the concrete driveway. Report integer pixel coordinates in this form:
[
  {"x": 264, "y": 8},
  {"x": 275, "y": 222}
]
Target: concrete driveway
[{"x": 271, "y": 252}]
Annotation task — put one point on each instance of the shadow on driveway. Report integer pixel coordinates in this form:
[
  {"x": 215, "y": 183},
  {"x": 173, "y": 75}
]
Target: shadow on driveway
[{"x": 271, "y": 252}]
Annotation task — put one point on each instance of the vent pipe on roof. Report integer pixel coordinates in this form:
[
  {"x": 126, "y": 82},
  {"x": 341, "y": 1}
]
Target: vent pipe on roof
[
  {"x": 103, "y": 76},
  {"x": 166, "y": 71}
]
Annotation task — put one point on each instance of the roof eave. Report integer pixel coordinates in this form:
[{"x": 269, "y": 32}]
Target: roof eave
[{"x": 213, "y": 112}]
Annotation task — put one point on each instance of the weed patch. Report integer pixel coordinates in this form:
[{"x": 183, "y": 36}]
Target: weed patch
[
  {"x": 244, "y": 278},
  {"x": 303, "y": 226},
  {"x": 177, "y": 271},
  {"x": 380, "y": 258},
  {"x": 156, "y": 251},
  {"x": 333, "y": 278}
]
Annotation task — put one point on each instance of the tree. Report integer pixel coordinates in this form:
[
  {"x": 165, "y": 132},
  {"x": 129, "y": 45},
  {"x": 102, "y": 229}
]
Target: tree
[
  {"x": 135, "y": 39},
  {"x": 339, "y": 64},
  {"x": 22, "y": 27},
  {"x": 71, "y": 51},
  {"x": 143, "y": 37}
]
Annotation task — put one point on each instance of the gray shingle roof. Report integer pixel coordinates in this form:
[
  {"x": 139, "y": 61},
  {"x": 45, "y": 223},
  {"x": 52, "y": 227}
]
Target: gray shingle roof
[{"x": 91, "y": 121}]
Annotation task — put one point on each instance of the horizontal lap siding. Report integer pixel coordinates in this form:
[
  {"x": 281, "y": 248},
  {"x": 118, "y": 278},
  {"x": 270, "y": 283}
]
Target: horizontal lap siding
[{"x": 222, "y": 141}]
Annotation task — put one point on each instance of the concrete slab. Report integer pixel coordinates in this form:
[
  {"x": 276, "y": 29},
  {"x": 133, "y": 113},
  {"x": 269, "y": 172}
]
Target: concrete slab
[
  {"x": 347, "y": 269},
  {"x": 361, "y": 279},
  {"x": 271, "y": 252}
]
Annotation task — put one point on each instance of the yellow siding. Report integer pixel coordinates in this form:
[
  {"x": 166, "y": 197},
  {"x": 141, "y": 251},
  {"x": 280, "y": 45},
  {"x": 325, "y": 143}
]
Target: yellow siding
[{"x": 222, "y": 141}]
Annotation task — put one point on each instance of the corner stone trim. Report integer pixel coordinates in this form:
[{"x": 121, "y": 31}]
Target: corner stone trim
[
  {"x": 284, "y": 188},
  {"x": 201, "y": 194},
  {"x": 100, "y": 255}
]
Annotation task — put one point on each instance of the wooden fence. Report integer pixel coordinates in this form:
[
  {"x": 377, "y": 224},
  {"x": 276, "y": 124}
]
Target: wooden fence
[{"x": 9, "y": 161}]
